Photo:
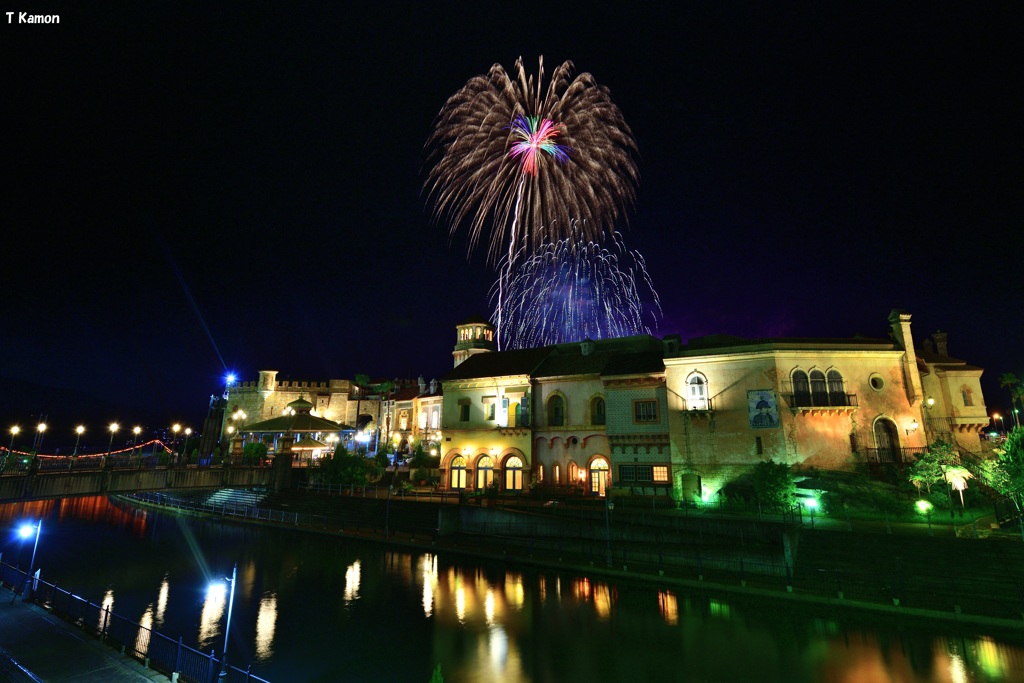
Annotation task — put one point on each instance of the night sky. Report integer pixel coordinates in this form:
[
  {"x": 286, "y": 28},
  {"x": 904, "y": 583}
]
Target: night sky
[{"x": 192, "y": 188}]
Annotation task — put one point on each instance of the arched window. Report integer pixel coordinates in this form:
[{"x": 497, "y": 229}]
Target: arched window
[
  {"x": 836, "y": 391},
  {"x": 556, "y": 474},
  {"x": 513, "y": 474},
  {"x": 458, "y": 473},
  {"x": 484, "y": 472},
  {"x": 967, "y": 395},
  {"x": 801, "y": 389},
  {"x": 597, "y": 411},
  {"x": 696, "y": 392},
  {"x": 433, "y": 419},
  {"x": 540, "y": 474},
  {"x": 556, "y": 411},
  {"x": 819, "y": 390}
]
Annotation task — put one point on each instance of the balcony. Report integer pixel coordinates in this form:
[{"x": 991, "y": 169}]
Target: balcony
[
  {"x": 894, "y": 455},
  {"x": 821, "y": 403},
  {"x": 698, "y": 407}
]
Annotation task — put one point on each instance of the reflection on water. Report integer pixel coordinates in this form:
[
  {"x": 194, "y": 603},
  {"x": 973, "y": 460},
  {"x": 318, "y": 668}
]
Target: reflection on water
[
  {"x": 266, "y": 622},
  {"x": 299, "y": 597},
  {"x": 106, "y": 607},
  {"x": 161, "y": 602},
  {"x": 352, "y": 577},
  {"x": 213, "y": 609},
  {"x": 145, "y": 627}
]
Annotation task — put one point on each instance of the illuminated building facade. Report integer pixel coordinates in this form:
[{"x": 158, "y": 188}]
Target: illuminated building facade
[{"x": 650, "y": 415}]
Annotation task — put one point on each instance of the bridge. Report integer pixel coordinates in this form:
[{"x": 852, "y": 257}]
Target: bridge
[{"x": 28, "y": 476}]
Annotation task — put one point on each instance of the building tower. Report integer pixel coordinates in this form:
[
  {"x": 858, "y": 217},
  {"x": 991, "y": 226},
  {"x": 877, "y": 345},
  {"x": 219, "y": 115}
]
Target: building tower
[{"x": 473, "y": 335}]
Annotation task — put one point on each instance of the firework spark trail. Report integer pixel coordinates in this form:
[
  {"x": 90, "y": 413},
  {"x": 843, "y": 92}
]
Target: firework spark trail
[
  {"x": 496, "y": 171},
  {"x": 574, "y": 289}
]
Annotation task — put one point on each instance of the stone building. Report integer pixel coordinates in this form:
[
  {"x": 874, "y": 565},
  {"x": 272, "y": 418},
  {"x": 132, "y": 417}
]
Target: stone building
[
  {"x": 412, "y": 415},
  {"x": 655, "y": 415},
  {"x": 336, "y": 400}
]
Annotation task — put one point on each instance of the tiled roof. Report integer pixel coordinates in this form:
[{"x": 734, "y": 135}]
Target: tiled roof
[
  {"x": 633, "y": 363},
  {"x": 301, "y": 422},
  {"x": 499, "y": 364},
  {"x": 718, "y": 341},
  {"x": 558, "y": 364}
]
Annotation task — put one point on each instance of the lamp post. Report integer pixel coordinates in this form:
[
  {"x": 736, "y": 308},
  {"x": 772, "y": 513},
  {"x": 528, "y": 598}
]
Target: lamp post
[
  {"x": 113, "y": 430},
  {"x": 227, "y": 629},
  {"x": 997, "y": 416},
  {"x": 176, "y": 428},
  {"x": 40, "y": 432},
  {"x": 812, "y": 505},
  {"x": 184, "y": 450},
  {"x": 25, "y": 531},
  {"x": 79, "y": 430},
  {"x": 10, "y": 449},
  {"x": 136, "y": 430},
  {"x": 925, "y": 508}
]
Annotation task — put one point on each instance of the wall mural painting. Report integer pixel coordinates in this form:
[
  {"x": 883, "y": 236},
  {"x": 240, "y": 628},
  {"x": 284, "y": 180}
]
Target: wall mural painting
[{"x": 762, "y": 409}]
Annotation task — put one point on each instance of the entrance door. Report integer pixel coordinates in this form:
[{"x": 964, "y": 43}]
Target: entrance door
[
  {"x": 598, "y": 476},
  {"x": 888, "y": 442}
]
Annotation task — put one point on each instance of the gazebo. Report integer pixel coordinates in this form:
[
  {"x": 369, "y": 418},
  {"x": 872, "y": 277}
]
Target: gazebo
[{"x": 298, "y": 432}]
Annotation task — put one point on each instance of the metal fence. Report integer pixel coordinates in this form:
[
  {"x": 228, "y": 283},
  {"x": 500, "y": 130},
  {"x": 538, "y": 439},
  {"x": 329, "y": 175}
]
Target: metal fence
[{"x": 150, "y": 647}]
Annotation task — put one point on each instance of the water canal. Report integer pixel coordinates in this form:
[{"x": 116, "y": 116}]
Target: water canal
[{"x": 313, "y": 608}]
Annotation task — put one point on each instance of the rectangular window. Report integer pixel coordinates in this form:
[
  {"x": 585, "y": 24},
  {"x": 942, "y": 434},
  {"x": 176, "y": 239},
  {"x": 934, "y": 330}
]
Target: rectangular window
[
  {"x": 644, "y": 473},
  {"x": 464, "y": 413},
  {"x": 489, "y": 409},
  {"x": 661, "y": 474},
  {"x": 627, "y": 473},
  {"x": 645, "y": 411}
]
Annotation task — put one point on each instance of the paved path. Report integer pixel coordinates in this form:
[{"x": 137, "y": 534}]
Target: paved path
[{"x": 37, "y": 646}]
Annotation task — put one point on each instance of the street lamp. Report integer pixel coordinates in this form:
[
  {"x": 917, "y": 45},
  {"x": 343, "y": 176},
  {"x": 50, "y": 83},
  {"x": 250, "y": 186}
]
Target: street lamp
[
  {"x": 10, "y": 449},
  {"x": 79, "y": 430},
  {"x": 176, "y": 428},
  {"x": 227, "y": 629},
  {"x": 812, "y": 505},
  {"x": 113, "y": 430},
  {"x": 997, "y": 416},
  {"x": 25, "y": 531},
  {"x": 136, "y": 430},
  {"x": 925, "y": 508},
  {"x": 40, "y": 431},
  {"x": 184, "y": 450}
]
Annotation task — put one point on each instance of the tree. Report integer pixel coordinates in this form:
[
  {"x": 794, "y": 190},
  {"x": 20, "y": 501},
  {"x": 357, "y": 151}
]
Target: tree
[
  {"x": 1010, "y": 381},
  {"x": 931, "y": 467},
  {"x": 344, "y": 468},
  {"x": 773, "y": 484},
  {"x": 1005, "y": 473},
  {"x": 254, "y": 453}
]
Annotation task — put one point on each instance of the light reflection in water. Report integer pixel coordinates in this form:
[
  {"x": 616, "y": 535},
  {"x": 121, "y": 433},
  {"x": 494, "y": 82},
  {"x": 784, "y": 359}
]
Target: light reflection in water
[
  {"x": 266, "y": 622},
  {"x": 991, "y": 658},
  {"x": 669, "y": 608},
  {"x": 460, "y": 603},
  {"x": 957, "y": 669},
  {"x": 428, "y": 571},
  {"x": 106, "y": 605},
  {"x": 145, "y": 628},
  {"x": 161, "y": 602},
  {"x": 213, "y": 610},
  {"x": 514, "y": 593},
  {"x": 352, "y": 582},
  {"x": 489, "y": 607}
]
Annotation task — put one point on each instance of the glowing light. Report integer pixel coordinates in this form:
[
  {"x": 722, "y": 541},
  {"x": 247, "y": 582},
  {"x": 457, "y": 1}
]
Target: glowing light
[
  {"x": 26, "y": 530},
  {"x": 924, "y": 507},
  {"x": 489, "y": 607},
  {"x": 669, "y": 607},
  {"x": 213, "y": 610},
  {"x": 230, "y": 379},
  {"x": 80, "y": 429}
]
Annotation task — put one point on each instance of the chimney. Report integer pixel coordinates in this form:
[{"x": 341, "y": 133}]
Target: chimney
[
  {"x": 587, "y": 346},
  {"x": 433, "y": 386},
  {"x": 899, "y": 322},
  {"x": 940, "y": 343},
  {"x": 422, "y": 383}
]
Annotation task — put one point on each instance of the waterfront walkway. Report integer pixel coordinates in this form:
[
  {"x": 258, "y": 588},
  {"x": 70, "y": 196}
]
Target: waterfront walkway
[{"x": 37, "y": 646}]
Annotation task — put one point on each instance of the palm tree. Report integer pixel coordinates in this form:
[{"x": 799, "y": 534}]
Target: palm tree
[{"x": 1008, "y": 380}]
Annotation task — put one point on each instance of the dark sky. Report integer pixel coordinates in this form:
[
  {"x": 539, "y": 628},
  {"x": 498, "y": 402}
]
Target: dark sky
[{"x": 194, "y": 187}]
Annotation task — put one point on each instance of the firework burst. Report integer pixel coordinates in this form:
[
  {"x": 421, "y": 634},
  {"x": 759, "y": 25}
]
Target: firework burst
[
  {"x": 496, "y": 170},
  {"x": 573, "y": 289}
]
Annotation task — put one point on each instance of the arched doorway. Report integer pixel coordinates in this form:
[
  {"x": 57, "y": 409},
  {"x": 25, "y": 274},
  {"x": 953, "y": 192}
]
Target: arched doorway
[
  {"x": 599, "y": 476},
  {"x": 513, "y": 474},
  {"x": 484, "y": 472},
  {"x": 887, "y": 441},
  {"x": 457, "y": 478}
]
